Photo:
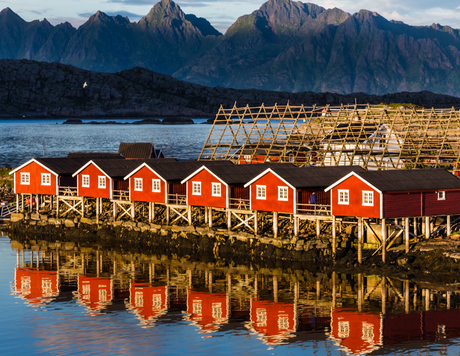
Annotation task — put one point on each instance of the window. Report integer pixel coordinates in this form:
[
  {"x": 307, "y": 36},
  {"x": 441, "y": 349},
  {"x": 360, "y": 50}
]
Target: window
[
  {"x": 283, "y": 193},
  {"x": 343, "y": 197},
  {"x": 442, "y": 195},
  {"x": 368, "y": 198},
  {"x": 261, "y": 192},
  {"x": 216, "y": 189},
  {"x": 156, "y": 187},
  {"x": 25, "y": 178},
  {"x": 196, "y": 188},
  {"x": 101, "y": 182},
  {"x": 85, "y": 181},
  {"x": 344, "y": 329},
  {"x": 46, "y": 179},
  {"x": 138, "y": 184},
  {"x": 247, "y": 158}
]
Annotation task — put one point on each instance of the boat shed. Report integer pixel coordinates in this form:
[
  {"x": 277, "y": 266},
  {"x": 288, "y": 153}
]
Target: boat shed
[
  {"x": 139, "y": 150},
  {"x": 396, "y": 193}
]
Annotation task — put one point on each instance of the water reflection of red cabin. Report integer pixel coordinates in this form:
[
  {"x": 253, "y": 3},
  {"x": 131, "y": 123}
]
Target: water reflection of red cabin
[
  {"x": 36, "y": 286},
  {"x": 95, "y": 293},
  {"x": 207, "y": 310},
  {"x": 274, "y": 322},
  {"x": 148, "y": 302},
  {"x": 356, "y": 332}
]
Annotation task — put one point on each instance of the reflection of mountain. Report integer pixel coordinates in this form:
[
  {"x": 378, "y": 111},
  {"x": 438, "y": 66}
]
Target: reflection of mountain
[
  {"x": 207, "y": 310},
  {"x": 274, "y": 322},
  {"x": 36, "y": 286},
  {"x": 95, "y": 293},
  {"x": 148, "y": 302}
]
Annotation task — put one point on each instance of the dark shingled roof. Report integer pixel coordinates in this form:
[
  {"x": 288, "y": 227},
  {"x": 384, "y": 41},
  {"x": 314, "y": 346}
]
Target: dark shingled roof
[
  {"x": 179, "y": 170},
  {"x": 309, "y": 177},
  {"x": 64, "y": 165},
  {"x": 94, "y": 155},
  {"x": 411, "y": 179},
  {"x": 136, "y": 150}
]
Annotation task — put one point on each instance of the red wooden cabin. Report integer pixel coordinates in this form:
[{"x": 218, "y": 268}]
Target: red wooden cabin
[
  {"x": 148, "y": 302},
  {"x": 396, "y": 193},
  {"x": 36, "y": 286},
  {"x": 104, "y": 178},
  {"x": 207, "y": 310},
  {"x": 355, "y": 332},
  {"x": 95, "y": 293},
  {"x": 45, "y": 176},
  {"x": 286, "y": 188},
  {"x": 274, "y": 322}
]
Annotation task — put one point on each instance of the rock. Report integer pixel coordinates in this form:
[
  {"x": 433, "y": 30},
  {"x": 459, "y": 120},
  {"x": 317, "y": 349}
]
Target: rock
[
  {"x": 69, "y": 223},
  {"x": 35, "y": 216},
  {"x": 16, "y": 217},
  {"x": 88, "y": 221}
]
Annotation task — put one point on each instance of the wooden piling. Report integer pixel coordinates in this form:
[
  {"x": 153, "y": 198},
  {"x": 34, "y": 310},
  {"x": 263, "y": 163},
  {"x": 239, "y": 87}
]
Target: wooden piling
[
  {"x": 275, "y": 224},
  {"x": 360, "y": 240},
  {"x": 384, "y": 240},
  {"x": 406, "y": 233}
]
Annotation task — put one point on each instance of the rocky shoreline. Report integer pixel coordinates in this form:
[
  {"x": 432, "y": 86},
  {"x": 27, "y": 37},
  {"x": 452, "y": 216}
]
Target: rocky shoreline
[{"x": 432, "y": 261}]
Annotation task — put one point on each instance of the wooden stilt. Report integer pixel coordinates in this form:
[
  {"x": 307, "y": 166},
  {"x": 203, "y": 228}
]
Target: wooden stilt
[
  {"x": 415, "y": 227},
  {"x": 384, "y": 240},
  {"x": 384, "y": 295},
  {"x": 406, "y": 296},
  {"x": 57, "y": 207},
  {"x": 334, "y": 236},
  {"x": 334, "y": 291},
  {"x": 82, "y": 207},
  {"x": 360, "y": 240},
  {"x": 406, "y": 233},
  {"x": 37, "y": 203},
  {"x": 360, "y": 292},
  {"x": 167, "y": 215},
  {"x": 189, "y": 215},
  {"x": 427, "y": 227},
  {"x": 275, "y": 224},
  {"x": 97, "y": 210},
  {"x": 153, "y": 211},
  {"x": 114, "y": 210},
  {"x": 449, "y": 294},
  {"x": 256, "y": 223},
  {"x": 210, "y": 217},
  {"x": 133, "y": 210},
  {"x": 448, "y": 229},
  {"x": 229, "y": 220},
  {"x": 150, "y": 212},
  {"x": 275, "y": 289},
  {"x": 205, "y": 215},
  {"x": 318, "y": 227},
  {"x": 296, "y": 226}
]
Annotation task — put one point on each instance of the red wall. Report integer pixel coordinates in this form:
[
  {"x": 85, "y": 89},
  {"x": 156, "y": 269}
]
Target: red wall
[
  {"x": 433, "y": 206},
  {"x": 93, "y": 190},
  {"x": 397, "y": 205},
  {"x": 146, "y": 194},
  {"x": 35, "y": 186},
  {"x": 30, "y": 284},
  {"x": 206, "y": 198},
  {"x": 146, "y": 310},
  {"x": 355, "y": 206},
  {"x": 271, "y": 203},
  {"x": 207, "y": 310}
]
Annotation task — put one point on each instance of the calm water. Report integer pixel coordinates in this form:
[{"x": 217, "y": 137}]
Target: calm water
[
  {"x": 21, "y": 140},
  {"x": 68, "y": 302}
]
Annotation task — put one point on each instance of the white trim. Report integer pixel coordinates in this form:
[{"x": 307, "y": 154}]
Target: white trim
[
  {"x": 25, "y": 174},
  {"x": 153, "y": 185},
  {"x": 219, "y": 188},
  {"x": 264, "y": 197},
  {"x": 198, "y": 184},
  {"x": 348, "y": 176},
  {"x": 347, "y": 202},
  {"x": 48, "y": 175},
  {"x": 83, "y": 185},
  {"x": 264, "y": 173},
  {"x": 29, "y": 162},
  {"x": 443, "y": 197},
  {"x": 286, "y": 189},
  {"x": 86, "y": 165},
  {"x": 362, "y": 197},
  {"x": 136, "y": 188},
  {"x": 142, "y": 166},
  {"x": 198, "y": 171}
]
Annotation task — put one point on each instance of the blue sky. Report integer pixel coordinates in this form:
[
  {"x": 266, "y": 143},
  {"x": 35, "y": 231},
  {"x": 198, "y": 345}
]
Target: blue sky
[{"x": 222, "y": 13}]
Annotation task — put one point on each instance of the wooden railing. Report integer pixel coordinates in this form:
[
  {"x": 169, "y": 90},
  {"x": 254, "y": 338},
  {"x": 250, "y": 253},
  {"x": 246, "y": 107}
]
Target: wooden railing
[
  {"x": 68, "y": 191},
  {"x": 177, "y": 199},
  {"x": 313, "y": 209},
  {"x": 120, "y": 195},
  {"x": 240, "y": 204}
]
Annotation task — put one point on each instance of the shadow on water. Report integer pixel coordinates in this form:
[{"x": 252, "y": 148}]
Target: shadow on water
[{"x": 340, "y": 313}]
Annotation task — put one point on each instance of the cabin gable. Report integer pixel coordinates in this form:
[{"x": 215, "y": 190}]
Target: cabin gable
[
  {"x": 270, "y": 193},
  {"x": 355, "y": 197},
  {"x": 146, "y": 185},
  {"x": 34, "y": 178},
  {"x": 90, "y": 183},
  {"x": 205, "y": 189}
]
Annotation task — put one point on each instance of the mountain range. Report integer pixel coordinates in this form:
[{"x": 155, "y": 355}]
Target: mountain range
[{"x": 283, "y": 46}]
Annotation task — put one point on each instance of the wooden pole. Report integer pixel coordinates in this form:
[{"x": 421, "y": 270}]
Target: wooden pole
[
  {"x": 82, "y": 207},
  {"x": 334, "y": 291},
  {"x": 133, "y": 210},
  {"x": 256, "y": 225},
  {"x": 275, "y": 289},
  {"x": 189, "y": 215},
  {"x": 406, "y": 231},
  {"x": 318, "y": 227},
  {"x": 384, "y": 295},
  {"x": 296, "y": 226},
  {"x": 275, "y": 224},
  {"x": 114, "y": 210},
  {"x": 360, "y": 240},
  {"x": 97, "y": 210},
  {"x": 229, "y": 220},
  {"x": 210, "y": 217},
  {"x": 384, "y": 240},
  {"x": 167, "y": 215},
  {"x": 57, "y": 206},
  {"x": 415, "y": 226},
  {"x": 334, "y": 236},
  {"x": 449, "y": 229},
  {"x": 427, "y": 227},
  {"x": 406, "y": 296}
]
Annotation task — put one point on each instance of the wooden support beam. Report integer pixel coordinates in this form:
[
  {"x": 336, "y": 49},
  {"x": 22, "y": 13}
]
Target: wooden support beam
[
  {"x": 275, "y": 224},
  {"x": 334, "y": 236},
  {"x": 229, "y": 220},
  {"x": 427, "y": 227},
  {"x": 97, "y": 210},
  {"x": 256, "y": 223},
  {"x": 449, "y": 229},
  {"x": 133, "y": 210},
  {"x": 167, "y": 215},
  {"x": 318, "y": 227},
  {"x": 384, "y": 240},
  {"x": 296, "y": 226},
  {"x": 406, "y": 234},
  {"x": 210, "y": 217},
  {"x": 360, "y": 240},
  {"x": 189, "y": 215}
]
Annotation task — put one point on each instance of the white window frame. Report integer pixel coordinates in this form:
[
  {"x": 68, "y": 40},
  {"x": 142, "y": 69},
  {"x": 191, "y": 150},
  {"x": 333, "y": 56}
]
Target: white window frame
[
  {"x": 261, "y": 192},
  {"x": 46, "y": 178},
  {"x": 99, "y": 180},
  {"x": 83, "y": 183},
  {"x": 138, "y": 184},
  {"x": 368, "y": 193},
  {"x": 341, "y": 194},
  {"x": 196, "y": 188},
  {"x": 216, "y": 190},
  {"x": 442, "y": 195},
  {"x": 283, "y": 193},
  {"x": 156, "y": 185},
  {"x": 25, "y": 178}
]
